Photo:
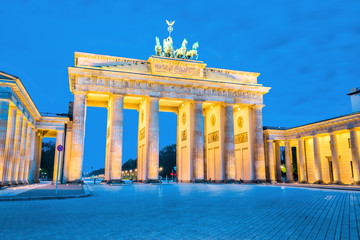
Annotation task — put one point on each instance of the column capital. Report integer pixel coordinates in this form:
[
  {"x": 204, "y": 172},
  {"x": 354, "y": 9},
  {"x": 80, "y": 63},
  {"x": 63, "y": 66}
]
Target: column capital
[
  {"x": 198, "y": 101},
  {"x": 115, "y": 95},
  {"x": 270, "y": 140},
  {"x": 227, "y": 104}
]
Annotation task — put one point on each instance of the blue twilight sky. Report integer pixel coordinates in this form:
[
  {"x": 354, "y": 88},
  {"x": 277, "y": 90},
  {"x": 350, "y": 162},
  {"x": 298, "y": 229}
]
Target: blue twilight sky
[{"x": 307, "y": 51}]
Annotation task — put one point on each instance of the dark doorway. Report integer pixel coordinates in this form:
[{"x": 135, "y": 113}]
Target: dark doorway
[
  {"x": 331, "y": 173},
  {"x": 294, "y": 164}
]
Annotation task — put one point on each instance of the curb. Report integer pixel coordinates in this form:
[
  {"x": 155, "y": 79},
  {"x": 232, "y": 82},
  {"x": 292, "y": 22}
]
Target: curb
[{"x": 86, "y": 193}]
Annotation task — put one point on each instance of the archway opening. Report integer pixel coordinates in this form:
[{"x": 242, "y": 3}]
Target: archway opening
[
  {"x": 167, "y": 144},
  {"x": 95, "y": 143},
  {"x": 130, "y": 138}
]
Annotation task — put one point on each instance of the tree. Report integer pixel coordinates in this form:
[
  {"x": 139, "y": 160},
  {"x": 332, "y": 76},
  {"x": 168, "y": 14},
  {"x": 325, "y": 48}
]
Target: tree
[
  {"x": 130, "y": 164},
  {"x": 167, "y": 159}
]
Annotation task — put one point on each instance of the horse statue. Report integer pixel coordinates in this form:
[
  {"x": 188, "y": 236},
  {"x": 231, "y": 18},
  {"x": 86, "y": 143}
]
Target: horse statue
[
  {"x": 168, "y": 47},
  {"x": 180, "y": 53},
  {"x": 158, "y": 48},
  {"x": 190, "y": 54}
]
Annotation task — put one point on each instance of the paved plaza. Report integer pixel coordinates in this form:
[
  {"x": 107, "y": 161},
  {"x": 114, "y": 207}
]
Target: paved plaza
[{"x": 187, "y": 211}]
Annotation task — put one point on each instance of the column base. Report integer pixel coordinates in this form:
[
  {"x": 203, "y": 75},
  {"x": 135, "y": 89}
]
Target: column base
[
  {"x": 319, "y": 182},
  {"x": 153, "y": 181},
  {"x": 289, "y": 181},
  {"x": 199, "y": 181},
  {"x": 338, "y": 182},
  {"x": 260, "y": 180},
  {"x": 77, "y": 181},
  {"x": 115, "y": 181},
  {"x": 230, "y": 181},
  {"x": 303, "y": 182},
  {"x": 356, "y": 183},
  {"x": 273, "y": 182}
]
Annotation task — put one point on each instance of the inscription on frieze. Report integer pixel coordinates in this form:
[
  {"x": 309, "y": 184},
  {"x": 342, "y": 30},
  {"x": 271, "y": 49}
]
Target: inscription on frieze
[
  {"x": 241, "y": 138},
  {"x": 176, "y": 67}
]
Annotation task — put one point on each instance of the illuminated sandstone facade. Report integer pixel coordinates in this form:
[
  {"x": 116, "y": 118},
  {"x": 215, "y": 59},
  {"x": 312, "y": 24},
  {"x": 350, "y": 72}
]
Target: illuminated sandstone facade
[
  {"x": 219, "y": 111},
  {"x": 323, "y": 152},
  {"x": 22, "y": 128}
]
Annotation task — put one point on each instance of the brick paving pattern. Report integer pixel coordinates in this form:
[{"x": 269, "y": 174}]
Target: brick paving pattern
[{"x": 187, "y": 211}]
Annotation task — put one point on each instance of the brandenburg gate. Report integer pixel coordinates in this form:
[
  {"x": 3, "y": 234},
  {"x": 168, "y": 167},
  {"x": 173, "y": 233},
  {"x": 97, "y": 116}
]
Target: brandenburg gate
[{"x": 219, "y": 126}]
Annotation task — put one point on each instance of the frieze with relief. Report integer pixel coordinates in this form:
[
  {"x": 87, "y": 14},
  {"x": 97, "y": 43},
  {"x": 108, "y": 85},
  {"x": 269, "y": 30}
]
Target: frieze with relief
[{"x": 133, "y": 84}]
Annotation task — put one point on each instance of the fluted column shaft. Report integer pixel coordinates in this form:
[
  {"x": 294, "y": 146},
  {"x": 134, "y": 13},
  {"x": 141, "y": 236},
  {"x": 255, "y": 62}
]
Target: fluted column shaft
[
  {"x": 18, "y": 169},
  {"x": 317, "y": 160},
  {"x": 14, "y": 160},
  {"x": 198, "y": 142},
  {"x": 38, "y": 147},
  {"x": 259, "y": 144},
  {"x": 278, "y": 161},
  {"x": 57, "y": 160},
  {"x": 355, "y": 155},
  {"x": 32, "y": 157},
  {"x": 116, "y": 136},
  {"x": 78, "y": 135},
  {"x": 229, "y": 151},
  {"x": 4, "y": 116},
  {"x": 25, "y": 171},
  {"x": 335, "y": 158},
  {"x": 153, "y": 140},
  {"x": 302, "y": 164},
  {"x": 289, "y": 174},
  {"x": 272, "y": 163}
]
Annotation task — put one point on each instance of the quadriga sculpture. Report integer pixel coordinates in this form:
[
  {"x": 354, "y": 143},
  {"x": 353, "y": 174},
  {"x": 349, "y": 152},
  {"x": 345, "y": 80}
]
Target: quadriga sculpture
[{"x": 192, "y": 54}]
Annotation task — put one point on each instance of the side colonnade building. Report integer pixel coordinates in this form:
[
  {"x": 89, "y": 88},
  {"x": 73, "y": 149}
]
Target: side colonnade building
[
  {"x": 320, "y": 152},
  {"x": 22, "y": 129}
]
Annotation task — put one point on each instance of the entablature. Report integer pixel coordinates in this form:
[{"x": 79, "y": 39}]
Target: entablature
[
  {"x": 52, "y": 124},
  {"x": 320, "y": 128},
  {"x": 149, "y": 85}
]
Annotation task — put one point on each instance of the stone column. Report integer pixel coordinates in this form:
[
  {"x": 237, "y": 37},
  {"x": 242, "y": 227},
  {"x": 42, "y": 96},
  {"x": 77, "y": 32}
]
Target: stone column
[
  {"x": 116, "y": 137},
  {"x": 78, "y": 135},
  {"x": 317, "y": 160},
  {"x": 18, "y": 170},
  {"x": 355, "y": 155},
  {"x": 4, "y": 115},
  {"x": 335, "y": 158},
  {"x": 25, "y": 172},
  {"x": 302, "y": 165},
  {"x": 32, "y": 155},
  {"x": 9, "y": 145},
  {"x": 278, "y": 161},
  {"x": 259, "y": 144},
  {"x": 57, "y": 160},
  {"x": 38, "y": 147},
  {"x": 153, "y": 140},
  {"x": 229, "y": 142},
  {"x": 198, "y": 142},
  {"x": 14, "y": 161},
  {"x": 272, "y": 163},
  {"x": 289, "y": 174}
]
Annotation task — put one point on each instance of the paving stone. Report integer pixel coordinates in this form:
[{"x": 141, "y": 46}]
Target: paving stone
[{"x": 187, "y": 211}]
